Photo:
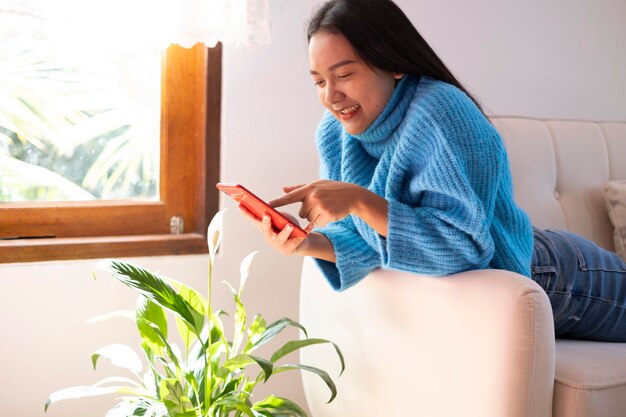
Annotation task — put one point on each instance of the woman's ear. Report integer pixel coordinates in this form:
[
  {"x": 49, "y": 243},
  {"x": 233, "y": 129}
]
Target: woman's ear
[{"x": 398, "y": 75}]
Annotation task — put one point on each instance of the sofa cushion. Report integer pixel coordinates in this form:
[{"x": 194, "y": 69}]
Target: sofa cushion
[
  {"x": 615, "y": 196},
  {"x": 590, "y": 379},
  {"x": 559, "y": 168}
]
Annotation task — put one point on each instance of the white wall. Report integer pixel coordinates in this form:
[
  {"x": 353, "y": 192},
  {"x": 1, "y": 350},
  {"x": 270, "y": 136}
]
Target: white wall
[
  {"x": 560, "y": 59},
  {"x": 553, "y": 59}
]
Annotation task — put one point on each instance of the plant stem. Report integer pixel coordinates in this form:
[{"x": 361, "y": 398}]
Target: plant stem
[{"x": 208, "y": 389}]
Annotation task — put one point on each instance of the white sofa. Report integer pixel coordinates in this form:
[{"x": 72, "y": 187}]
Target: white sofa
[{"x": 480, "y": 343}]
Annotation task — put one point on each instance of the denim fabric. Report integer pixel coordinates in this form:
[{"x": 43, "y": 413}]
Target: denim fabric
[{"x": 586, "y": 285}]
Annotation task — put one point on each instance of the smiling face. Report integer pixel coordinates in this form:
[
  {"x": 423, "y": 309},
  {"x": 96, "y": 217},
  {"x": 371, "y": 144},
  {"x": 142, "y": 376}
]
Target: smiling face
[{"x": 355, "y": 93}]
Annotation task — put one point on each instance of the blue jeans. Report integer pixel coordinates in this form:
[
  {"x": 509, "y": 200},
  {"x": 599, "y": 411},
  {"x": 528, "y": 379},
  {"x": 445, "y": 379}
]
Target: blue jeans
[{"x": 586, "y": 285}]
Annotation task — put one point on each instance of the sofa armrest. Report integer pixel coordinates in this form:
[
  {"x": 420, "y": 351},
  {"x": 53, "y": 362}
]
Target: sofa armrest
[{"x": 478, "y": 343}]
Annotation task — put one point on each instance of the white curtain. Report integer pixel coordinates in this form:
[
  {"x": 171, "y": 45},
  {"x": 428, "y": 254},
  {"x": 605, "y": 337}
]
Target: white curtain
[
  {"x": 21, "y": 21},
  {"x": 228, "y": 21},
  {"x": 129, "y": 24}
]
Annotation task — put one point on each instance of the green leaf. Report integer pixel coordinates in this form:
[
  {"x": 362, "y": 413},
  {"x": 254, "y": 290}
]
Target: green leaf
[
  {"x": 297, "y": 344},
  {"x": 281, "y": 406},
  {"x": 190, "y": 377},
  {"x": 243, "y": 360},
  {"x": 170, "y": 352},
  {"x": 130, "y": 407},
  {"x": 137, "y": 406},
  {"x": 321, "y": 373},
  {"x": 173, "y": 397},
  {"x": 156, "y": 409},
  {"x": 230, "y": 403},
  {"x": 151, "y": 343},
  {"x": 219, "y": 343},
  {"x": 230, "y": 387},
  {"x": 217, "y": 331},
  {"x": 197, "y": 302},
  {"x": 266, "y": 365},
  {"x": 186, "y": 334},
  {"x": 274, "y": 329},
  {"x": 217, "y": 352},
  {"x": 255, "y": 331},
  {"x": 196, "y": 352},
  {"x": 119, "y": 355},
  {"x": 233, "y": 364},
  {"x": 199, "y": 375},
  {"x": 153, "y": 287},
  {"x": 148, "y": 312},
  {"x": 193, "y": 298},
  {"x": 239, "y": 321}
]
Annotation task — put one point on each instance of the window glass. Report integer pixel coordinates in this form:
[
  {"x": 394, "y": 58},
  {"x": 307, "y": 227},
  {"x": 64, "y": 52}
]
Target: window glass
[{"x": 79, "y": 122}]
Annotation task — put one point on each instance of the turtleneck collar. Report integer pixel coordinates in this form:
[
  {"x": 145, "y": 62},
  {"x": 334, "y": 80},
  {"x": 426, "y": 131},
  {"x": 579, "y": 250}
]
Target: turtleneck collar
[{"x": 393, "y": 114}]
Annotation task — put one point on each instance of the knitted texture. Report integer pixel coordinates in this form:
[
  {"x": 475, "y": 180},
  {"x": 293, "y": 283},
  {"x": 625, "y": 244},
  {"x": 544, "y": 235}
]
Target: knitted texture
[{"x": 443, "y": 169}]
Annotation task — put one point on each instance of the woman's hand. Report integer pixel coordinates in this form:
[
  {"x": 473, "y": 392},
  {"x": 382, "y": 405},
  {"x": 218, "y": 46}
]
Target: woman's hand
[
  {"x": 322, "y": 201},
  {"x": 326, "y": 201},
  {"x": 281, "y": 241}
]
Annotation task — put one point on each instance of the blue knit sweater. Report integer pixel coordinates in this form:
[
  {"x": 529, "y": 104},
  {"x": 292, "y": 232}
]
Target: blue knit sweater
[{"x": 443, "y": 169}]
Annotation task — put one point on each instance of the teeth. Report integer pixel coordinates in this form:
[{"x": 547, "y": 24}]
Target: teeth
[{"x": 349, "y": 109}]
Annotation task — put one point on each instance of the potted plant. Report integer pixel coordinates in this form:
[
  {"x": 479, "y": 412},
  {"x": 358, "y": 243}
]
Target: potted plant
[{"x": 209, "y": 375}]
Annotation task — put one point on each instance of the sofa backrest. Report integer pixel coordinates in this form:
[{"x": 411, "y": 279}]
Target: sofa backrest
[{"x": 559, "y": 168}]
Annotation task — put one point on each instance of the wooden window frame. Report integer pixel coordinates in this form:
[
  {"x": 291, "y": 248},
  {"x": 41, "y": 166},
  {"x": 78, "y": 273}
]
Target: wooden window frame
[{"x": 190, "y": 148}]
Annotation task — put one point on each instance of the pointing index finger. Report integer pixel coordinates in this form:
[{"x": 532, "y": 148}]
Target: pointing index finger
[
  {"x": 290, "y": 188},
  {"x": 291, "y": 197}
]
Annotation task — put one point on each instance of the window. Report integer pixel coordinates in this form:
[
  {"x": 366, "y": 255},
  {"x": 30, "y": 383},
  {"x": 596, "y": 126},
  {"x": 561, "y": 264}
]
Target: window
[{"x": 188, "y": 167}]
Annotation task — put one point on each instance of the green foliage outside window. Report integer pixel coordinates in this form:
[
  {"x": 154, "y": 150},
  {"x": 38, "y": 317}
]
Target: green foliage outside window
[{"x": 75, "y": 127}]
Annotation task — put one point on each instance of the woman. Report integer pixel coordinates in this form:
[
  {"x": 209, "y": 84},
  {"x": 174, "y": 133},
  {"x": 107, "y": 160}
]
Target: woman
[{"x": 415, "y": 178}]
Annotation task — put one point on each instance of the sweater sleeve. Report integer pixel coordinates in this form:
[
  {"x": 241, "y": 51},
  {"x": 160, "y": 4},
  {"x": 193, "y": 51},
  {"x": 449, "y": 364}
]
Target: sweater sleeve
[
  {"x": 427, "y": 240},
  {"x": 354, "y": 257},
  {"x": 439, "y": 222}
]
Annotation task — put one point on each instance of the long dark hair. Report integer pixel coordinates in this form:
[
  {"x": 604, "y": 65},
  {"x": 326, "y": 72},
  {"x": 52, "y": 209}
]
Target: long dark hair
[{"x": 383, "y": 36}]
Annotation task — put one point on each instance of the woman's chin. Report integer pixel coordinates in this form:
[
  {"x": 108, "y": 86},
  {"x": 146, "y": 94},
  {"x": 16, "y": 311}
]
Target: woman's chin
[
  {"x": 353, "y": 128},
  {"x": 355, "y": 123}
]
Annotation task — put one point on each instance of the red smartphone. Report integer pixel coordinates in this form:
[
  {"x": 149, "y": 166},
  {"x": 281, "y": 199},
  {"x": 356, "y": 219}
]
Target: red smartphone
[{"x": 258, "y": 207}]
